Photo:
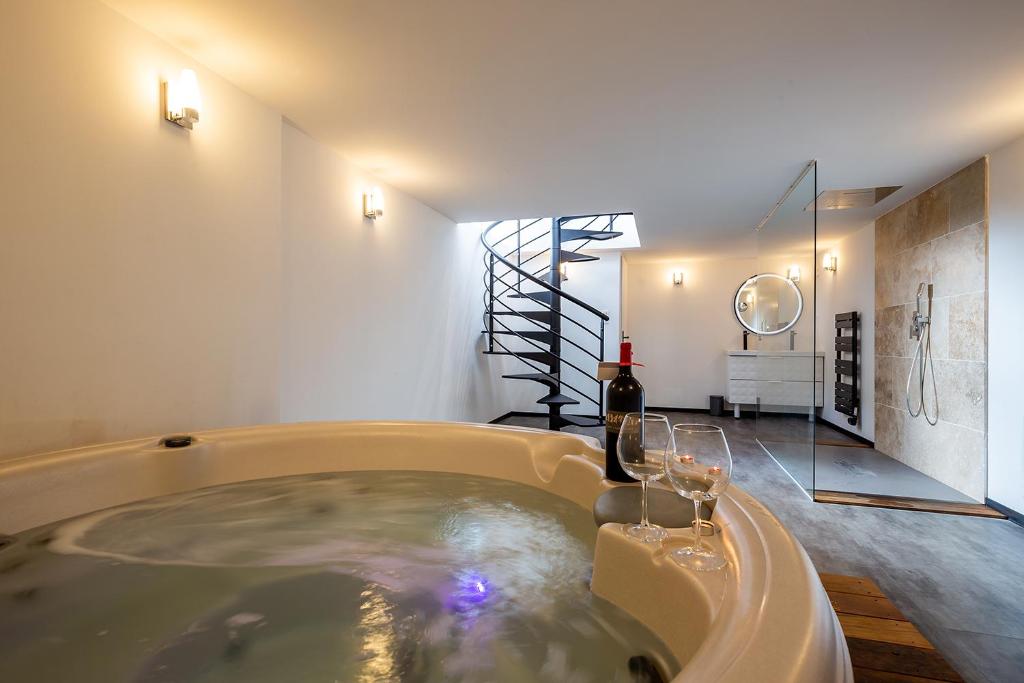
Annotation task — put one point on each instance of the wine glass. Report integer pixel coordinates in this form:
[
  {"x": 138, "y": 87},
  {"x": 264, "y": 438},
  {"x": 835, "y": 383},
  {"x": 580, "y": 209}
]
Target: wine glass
[
  {"x": 699, "y": 469},
  {"x": 644, "y": 440}
]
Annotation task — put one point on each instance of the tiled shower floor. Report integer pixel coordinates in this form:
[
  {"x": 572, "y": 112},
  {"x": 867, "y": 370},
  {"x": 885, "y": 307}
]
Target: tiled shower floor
[{"x": 849, "y": 469}]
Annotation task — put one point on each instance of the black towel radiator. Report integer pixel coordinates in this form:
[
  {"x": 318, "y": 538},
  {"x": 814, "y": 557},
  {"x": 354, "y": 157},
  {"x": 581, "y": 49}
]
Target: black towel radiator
[{"x": 847, "y": 393}]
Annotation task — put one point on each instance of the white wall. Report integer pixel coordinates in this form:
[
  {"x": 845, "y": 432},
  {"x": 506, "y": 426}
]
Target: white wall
[
  {"x": 599, "y": 283},
  {"x": 1006, "y": 326},
  {"x": 382, "y": 318},
  {"x": 850, "y": 288},
  {"x": 140, "y": 266},
  {"x": 153, "y": 280},
  {"x": 681, "y": 333}
]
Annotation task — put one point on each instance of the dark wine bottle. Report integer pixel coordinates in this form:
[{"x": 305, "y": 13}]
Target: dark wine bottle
[{"x": 625, "y": 395}]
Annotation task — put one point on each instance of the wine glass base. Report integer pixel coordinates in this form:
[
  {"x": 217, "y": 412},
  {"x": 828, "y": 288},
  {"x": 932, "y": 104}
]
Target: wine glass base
[
  {"x": 698, "y": 559},
  {"x": 651, "y": 533}
]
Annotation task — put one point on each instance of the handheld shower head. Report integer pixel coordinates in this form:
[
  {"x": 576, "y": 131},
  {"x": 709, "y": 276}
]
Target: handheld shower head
[{"x": 921, "y": 318}]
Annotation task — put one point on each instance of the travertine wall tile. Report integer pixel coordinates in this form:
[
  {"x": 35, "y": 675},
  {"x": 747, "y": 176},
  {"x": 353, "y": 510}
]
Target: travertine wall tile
[
  {"x": 888, "y": 429},
  {"x": 938, "y": 237},
  {"x": 939, "y": 328},
  {"x": 889, "y": 231},
  {"x": 888, "y": 322},
  {"x": 885, "y": 281},
  {"x": 961, "y": 391},
  {"x": 967, "y": 334},
  {"x": 927, "y": 217},
  {"x": 958, "y": 261},
  {"x": 884, "y": 388},
  {"x": 967, "y": 192}
]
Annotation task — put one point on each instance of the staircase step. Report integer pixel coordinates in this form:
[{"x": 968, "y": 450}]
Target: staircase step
[
  {"x": 601, "y": 235},
  {"x": 558, "y": 400},
  {"x": 566, "y": 256},
  {"x": 580, "y": 421},
  {"x": 550, "y": 379},
  {"x": 539, "y": 316},
  {"x": 543, "y": 357},
  {"x": 537, "y": 335},
  {"x": 539, "y": 356},
  {"x": 544, "y": 296}
]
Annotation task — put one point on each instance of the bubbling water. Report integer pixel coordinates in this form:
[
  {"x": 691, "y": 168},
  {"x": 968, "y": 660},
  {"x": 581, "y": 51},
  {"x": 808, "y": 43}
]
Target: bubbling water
[{"x": 359, "y": 576}]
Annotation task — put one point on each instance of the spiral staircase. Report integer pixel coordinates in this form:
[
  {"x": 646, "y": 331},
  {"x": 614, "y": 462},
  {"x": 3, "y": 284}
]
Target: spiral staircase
[{"x": 527, "y": 315}]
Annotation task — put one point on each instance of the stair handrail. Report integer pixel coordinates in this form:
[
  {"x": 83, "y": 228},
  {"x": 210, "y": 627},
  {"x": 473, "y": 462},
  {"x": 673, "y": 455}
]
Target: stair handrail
[
  {"x": 536, "y": 280},
  {"x": 559, "y": 379},
  {"x": 509, "y": 309},
  {"x": 488, "y": 292}
]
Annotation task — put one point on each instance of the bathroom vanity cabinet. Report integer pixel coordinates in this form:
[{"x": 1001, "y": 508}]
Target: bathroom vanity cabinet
[{"x": 781, "y": 381}]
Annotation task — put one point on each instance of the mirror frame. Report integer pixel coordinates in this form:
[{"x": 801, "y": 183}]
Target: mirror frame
[{"x": 799, "y": 308}]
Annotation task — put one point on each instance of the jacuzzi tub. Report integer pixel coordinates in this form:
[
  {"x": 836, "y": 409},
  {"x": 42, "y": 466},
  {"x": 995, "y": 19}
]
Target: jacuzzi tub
[{"x": 764, "y": 619}]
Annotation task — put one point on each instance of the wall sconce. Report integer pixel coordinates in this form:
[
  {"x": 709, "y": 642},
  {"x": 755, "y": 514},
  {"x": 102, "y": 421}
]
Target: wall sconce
[
  {"x": 830, "y": 262},
  {"x": 373, "y": 206},
  {"x": 794, "y": 273},
  {"x": 677, "y": 278},
  {"x": 563, "y": 272},
  {"x": 181, "y": 99}
]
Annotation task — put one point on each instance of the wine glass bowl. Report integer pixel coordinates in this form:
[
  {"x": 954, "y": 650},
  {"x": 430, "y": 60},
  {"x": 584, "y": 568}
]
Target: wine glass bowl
[
  {"x": 699, "y": 468},
  {"x": 644, "y": 441}
]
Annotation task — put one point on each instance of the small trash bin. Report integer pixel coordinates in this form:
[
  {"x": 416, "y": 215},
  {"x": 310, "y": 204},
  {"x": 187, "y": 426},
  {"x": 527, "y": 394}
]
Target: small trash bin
[{"x": 717, "y": 407}]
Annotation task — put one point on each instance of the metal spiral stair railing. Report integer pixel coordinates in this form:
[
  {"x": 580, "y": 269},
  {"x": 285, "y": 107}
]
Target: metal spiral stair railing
[{"x": 561, "y": 347}]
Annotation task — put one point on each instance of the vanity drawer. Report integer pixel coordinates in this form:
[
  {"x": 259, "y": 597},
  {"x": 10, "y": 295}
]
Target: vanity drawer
[
  {"x": 777, "y": 393},
  {"x": 776, "y": 368}
]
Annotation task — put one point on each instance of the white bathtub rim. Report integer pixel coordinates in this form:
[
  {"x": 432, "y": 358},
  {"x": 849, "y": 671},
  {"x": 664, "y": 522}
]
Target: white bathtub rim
[{"x": 741, "y": 516}]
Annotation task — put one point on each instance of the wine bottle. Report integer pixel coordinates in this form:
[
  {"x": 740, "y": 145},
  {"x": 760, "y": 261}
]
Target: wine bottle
[{"x": 625, "y": 395}]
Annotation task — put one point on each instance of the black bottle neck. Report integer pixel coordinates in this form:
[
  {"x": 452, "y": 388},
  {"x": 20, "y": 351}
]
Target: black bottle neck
[{"x": 625, "y": 371}]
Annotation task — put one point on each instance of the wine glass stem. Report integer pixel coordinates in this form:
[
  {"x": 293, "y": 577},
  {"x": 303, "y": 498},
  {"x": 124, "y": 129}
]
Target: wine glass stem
[
  {"x": 643, "y": 503},
  {"x": 696, "y": 524}
]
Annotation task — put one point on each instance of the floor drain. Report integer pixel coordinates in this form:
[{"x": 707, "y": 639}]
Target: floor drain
[{"x": 177, "y": 441}]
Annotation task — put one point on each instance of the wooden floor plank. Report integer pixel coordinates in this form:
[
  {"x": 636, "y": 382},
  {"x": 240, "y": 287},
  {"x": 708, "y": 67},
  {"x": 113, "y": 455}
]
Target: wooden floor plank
[
  {"x": 857, "y": 585},
  {"x": 844, "y": 444},
  {"x": 866, "y": 605},
  {"x": 901, "y": 659},
  {"x": 883, "y": 630},
  {"x": 884, "y": 646},
  {"x": 872, "y": 676},
  {"x": 899, "y": 503}
]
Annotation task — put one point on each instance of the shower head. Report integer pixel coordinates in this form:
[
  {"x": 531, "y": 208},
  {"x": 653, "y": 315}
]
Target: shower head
[{"x": 921, "y": 290}]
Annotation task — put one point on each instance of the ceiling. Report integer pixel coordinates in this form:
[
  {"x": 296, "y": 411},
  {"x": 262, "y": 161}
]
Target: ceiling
[{"x": 695, "y": 115}]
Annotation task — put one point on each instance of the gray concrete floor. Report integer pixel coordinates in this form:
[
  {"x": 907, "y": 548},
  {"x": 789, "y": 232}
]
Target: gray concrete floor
[{"x": 959, "y": 579}]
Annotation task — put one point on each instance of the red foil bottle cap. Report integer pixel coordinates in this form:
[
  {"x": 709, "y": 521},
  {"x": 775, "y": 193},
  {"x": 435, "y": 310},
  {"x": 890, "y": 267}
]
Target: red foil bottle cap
[{"x": 626, "y": 355}]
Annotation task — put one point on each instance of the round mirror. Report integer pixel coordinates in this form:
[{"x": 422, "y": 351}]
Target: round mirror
[{"x": 768, "y": 304}]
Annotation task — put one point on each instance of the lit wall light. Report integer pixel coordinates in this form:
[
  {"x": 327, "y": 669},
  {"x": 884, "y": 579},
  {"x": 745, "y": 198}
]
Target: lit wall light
[
  {"x": 563, "y": 272},
  {"x": 373, "y": 205},
  {"x": 830, "y": 262},
  {"x": 794, "y": 273},
  {"x": 181, "y": 99},
  {"x": 677, "y": 278}
]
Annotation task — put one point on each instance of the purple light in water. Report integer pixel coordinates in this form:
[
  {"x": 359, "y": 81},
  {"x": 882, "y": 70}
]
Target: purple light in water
[{"x": 470, "y": 590}]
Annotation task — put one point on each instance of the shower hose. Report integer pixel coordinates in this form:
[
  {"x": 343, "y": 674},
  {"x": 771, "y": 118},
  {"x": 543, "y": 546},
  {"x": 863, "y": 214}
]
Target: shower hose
[{"x": 923, "y": 361}]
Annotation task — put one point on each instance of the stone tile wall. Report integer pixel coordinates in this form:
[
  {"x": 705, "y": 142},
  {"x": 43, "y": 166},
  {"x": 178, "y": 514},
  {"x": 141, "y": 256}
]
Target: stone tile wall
[{"x": 940, "y": 236}]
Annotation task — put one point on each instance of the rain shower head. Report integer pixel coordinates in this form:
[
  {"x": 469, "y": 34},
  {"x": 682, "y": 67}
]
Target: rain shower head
[{"x": 833, "y": 200}]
